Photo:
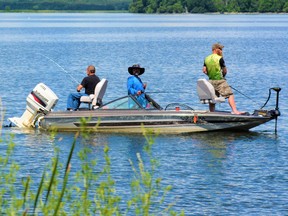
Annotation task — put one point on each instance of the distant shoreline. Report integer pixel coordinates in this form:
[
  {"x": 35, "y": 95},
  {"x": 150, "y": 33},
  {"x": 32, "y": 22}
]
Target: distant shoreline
[
  {"x": 65, "y": 11},
  {"x": 126, "y": 11}
]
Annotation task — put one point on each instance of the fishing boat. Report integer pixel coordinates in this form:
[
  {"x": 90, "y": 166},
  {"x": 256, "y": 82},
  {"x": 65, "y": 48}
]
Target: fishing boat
[{"x": 127, "y": 115}]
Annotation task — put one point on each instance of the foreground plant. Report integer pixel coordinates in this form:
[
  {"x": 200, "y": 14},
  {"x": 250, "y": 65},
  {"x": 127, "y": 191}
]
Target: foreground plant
[
  {"x": 85, "y": 192},
  {"x": 8, "y": 173},
  {"x": 148, "y": 195}
]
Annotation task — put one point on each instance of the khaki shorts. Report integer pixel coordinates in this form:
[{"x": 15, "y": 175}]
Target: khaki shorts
[{"x": 222, "y": 88}]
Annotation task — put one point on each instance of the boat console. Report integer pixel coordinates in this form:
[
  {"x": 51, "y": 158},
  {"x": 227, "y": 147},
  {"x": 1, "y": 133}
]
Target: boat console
[{"x": 40, "y": 101}]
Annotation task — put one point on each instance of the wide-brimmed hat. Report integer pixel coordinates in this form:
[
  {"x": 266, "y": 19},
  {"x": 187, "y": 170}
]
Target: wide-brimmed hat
[
  {"x": 217, "y": 46},
  {"x": 136, "y": 66}
]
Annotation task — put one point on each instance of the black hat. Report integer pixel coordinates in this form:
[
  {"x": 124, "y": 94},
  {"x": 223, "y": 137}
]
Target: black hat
[{"x": 136, "y": 66}]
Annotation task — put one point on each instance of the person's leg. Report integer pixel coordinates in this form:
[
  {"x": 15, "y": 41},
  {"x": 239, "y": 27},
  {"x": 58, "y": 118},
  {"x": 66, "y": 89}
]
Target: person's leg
[
  {"x": 212, "y": 107},
  {"x": 232, "y": 104},
  {"x": 69, "y": 102},
  {"x": 225, "y": 91},
  {"x": 76, "y": 103},
  {"x": 73, "y": 101}
]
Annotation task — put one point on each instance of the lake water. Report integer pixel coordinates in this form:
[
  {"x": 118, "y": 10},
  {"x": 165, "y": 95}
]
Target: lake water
[{"x": 211, "y": 173}]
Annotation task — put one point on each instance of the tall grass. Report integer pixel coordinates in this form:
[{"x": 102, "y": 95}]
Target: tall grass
[{"x": 86, "y": 192}]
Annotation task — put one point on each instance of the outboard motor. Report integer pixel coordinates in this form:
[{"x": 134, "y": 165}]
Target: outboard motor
[{"x": 40, "y": 101}]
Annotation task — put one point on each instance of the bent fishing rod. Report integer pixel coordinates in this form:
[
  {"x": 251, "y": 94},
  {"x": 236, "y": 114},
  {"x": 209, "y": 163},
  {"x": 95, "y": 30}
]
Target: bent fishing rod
[{"x": 61, "y": 68}]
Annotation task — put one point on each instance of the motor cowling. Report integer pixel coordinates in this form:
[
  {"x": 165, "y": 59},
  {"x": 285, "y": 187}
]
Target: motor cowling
[{"x": 41, "y": 100}]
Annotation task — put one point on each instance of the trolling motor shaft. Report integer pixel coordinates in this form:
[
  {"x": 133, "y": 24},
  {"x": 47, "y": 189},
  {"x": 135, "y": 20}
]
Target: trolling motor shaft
[
  {"x": 277, "y": 89},
  {"x": 276, "y": 111}
]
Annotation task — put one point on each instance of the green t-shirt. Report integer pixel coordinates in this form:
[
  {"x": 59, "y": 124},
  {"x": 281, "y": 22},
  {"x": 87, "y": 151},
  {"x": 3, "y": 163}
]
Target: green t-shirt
[{"x": 214, "y": 70}]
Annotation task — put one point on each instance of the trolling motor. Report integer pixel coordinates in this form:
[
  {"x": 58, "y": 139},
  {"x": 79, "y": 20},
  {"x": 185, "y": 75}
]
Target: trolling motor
[
  {"x": 276, "y": 111},
  {"x": 41, "y": 100},
  {"x": 271, "y": 113}
]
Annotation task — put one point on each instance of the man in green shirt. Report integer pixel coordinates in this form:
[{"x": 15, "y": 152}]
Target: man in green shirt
[{"x": 214, "y": 67}]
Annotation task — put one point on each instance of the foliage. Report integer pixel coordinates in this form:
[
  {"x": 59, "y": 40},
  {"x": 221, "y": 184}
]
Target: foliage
[
  {"x": 78, "y": 5},
  {"x": 285, "y": 8},
  {"x": 148, "y": 194},
  {"x": 204, "y": 6},
  {"x": 84, "y": 192},
  {"x": 150, "y": 6}
]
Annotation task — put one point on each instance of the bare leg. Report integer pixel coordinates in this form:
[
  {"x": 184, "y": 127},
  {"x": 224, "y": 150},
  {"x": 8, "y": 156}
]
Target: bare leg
[
  {"x": 212, "y": 107},
  {"x": 232, "y": 104}
]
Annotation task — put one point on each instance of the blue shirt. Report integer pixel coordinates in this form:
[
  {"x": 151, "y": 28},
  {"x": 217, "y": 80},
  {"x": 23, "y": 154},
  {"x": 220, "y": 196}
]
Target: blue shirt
[{"x": 134, "y": 84}]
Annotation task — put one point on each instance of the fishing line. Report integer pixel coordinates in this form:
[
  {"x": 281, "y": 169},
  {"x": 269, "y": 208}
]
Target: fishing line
[
  {"x": 245, "y": 95},
  {"x": 60, "y": 68}
]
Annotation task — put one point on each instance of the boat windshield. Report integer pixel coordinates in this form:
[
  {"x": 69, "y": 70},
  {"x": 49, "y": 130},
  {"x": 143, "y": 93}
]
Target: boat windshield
[{"x": 130, "y": 102}]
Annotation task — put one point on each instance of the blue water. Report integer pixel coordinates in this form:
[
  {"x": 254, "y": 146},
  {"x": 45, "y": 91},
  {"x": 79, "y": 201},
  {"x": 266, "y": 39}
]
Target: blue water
[{"x": 211, "y": 173}]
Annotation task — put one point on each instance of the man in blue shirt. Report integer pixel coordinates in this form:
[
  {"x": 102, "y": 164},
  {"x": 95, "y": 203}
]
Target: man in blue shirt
[{"x": 135, "y": 85}]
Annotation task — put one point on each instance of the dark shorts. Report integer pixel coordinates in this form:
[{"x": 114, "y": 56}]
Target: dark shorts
[{"x": 222, "y": 88}]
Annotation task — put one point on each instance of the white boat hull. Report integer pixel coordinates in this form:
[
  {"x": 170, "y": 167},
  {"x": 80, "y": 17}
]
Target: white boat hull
[{"x": 133, "y": 121}]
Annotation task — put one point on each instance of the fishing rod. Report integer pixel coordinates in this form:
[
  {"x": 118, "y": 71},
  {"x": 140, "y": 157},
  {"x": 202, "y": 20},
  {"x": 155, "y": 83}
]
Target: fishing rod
[
  {"x": 60, "y": 68},
  {"x": 165, "y": 92}
]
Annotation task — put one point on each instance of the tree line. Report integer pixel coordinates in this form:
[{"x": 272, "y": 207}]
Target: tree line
[
  {"x": 66, "y": 5},
  {"x": 152, "y": 6},
  {"x": 208, "y": 6}
]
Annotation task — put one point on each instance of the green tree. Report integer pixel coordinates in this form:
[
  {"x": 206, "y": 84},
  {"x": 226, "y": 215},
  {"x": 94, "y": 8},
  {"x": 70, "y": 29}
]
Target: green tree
[
  {"x": 152, "y": 6},
  {"x": 219, "y": 5},
  {"x": 178, "y": 7},
  {"x": 136, "y": 7},
  {"x": 278, "y": 6},
  {"x": 265, "y": 6},
  {"x": 253, "y": 6},
  {"x": 7, "y": 8},
  {"x": 233, "y": 6},
  {"x": 195, "y": 6},
  {"x": 170, "y": 6},
  {"x": 285, "y": 7},
  {"x": 246, "y": 5}
]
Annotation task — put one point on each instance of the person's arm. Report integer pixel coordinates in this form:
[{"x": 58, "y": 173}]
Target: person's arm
[
  {"x": 204, "y": 69},
  {"x": 130, "y": 88},
  {"x": 79, "y": 87},
  {"x": 133, "y": 84},
  {"x": 223, "y": 67}
]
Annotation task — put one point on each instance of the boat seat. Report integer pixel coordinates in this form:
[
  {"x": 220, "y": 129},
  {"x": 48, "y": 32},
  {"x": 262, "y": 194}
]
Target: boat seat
[
  {"x": 206, "y": 92},
  {"x": 95, "y": 99}
]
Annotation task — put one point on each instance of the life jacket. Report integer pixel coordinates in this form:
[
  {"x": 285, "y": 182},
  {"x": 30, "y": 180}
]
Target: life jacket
[{"x": 214, "y": 70}]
